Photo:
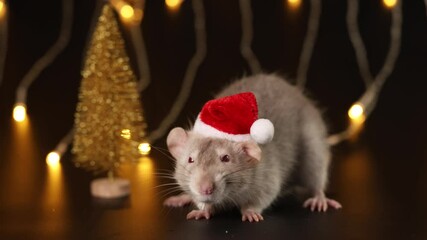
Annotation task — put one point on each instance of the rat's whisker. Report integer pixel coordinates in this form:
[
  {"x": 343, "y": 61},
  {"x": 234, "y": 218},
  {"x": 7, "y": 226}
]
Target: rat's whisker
[
  {"x": 165, "y": 153},
  {"x": 169, "y": 190},
  {"x": 168, "y": 193},
  {"x": 166, "y": 185}
]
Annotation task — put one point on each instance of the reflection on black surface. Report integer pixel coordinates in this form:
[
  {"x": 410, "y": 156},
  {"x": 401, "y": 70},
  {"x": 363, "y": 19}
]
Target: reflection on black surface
[
  {"x": 22, "y": 175},
  {"x": 357, "y": 173},
  {"x": 55, "y": 211}
]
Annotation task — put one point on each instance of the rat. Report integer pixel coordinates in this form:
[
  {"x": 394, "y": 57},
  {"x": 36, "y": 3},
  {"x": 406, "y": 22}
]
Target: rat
[{"x": 217, "y": 174}]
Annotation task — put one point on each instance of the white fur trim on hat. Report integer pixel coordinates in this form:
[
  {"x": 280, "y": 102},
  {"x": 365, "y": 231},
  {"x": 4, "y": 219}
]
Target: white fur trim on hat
[{"x": 209, "y": 131}]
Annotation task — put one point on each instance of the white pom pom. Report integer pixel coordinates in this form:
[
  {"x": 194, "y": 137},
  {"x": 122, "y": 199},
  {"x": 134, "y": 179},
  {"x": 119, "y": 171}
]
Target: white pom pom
[{"x": 262, "y": 131}]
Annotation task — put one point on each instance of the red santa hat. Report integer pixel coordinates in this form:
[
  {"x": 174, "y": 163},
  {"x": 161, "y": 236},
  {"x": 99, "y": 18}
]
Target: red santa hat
[{"x": 234, "y": 118}]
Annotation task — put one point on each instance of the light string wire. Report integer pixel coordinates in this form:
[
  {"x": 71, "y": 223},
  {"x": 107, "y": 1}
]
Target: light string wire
[
  {"x": 190, "y": 74},
  {"x": 50, "y": 55},
  {"x": 247, "y": 36},
  {"x": 141, "y": 52},
  {"x": 4, "y": 37},
  {"x": 65, "y": 141},
  {"x": 370, "y": 97},
  {"x": 98, "y": 8},
  {"x": 309, "y": 42},
  {"x": 357, "y": 42}
]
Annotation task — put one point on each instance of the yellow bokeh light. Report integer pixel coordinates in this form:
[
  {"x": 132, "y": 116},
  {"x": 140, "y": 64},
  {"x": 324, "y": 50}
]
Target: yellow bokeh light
[
  {"x": 126, "y": 11},
  {"x": 173, "y": 4},
  {"x": 144, "y": 148},
  {"x": 52, "y": 159},
  {"x": 19, "y": 112},
  {"x": 1, "y": 6},
  {"x": 390, "y": 3},
  {"x": 126, "y": 134},
  {"x": 356, "y": 111},
  {"x": 294, "y": 3}
]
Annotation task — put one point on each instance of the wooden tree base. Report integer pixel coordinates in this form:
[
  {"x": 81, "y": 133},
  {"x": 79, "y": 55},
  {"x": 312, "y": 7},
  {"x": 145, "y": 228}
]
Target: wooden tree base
[{"x": 108, "y": 188}]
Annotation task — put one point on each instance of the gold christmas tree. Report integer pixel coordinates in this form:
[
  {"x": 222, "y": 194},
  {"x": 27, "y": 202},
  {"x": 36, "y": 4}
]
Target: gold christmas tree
[{"x": 109, "y": 123}]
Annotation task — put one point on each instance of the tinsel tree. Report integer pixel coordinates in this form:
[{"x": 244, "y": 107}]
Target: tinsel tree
[{"x": 109, "y": 122}]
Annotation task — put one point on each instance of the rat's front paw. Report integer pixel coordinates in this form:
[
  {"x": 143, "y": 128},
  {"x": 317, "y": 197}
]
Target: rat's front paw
[
  {"x": 321, "y": 203},
  {"x": 178, "y": 201},
  {"x": 198, "y": 214},
  {"x": 251, "y": 216}
]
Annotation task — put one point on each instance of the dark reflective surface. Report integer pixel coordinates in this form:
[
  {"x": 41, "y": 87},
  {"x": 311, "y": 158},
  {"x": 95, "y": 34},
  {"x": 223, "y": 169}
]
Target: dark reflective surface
[{"x": 380, "y": 177}]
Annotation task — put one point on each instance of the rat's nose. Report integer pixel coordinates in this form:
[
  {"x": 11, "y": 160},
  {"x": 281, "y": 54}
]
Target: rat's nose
[{"x": 207, "y": 188}]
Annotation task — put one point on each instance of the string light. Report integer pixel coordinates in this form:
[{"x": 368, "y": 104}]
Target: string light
[
  {"x": 126, "y": 11},
  {"x": 139, "y": 46},
  {"x": 294, "y": 3},
  {"x": 144, "y": 148},
  {"x": 390, "y": 3},
  {"x": 53, "y": 158},
  {"x": 308, "y": 45},
  {"x": 50, "y": 55},
  {"x": 132, "y": 16},
  {"x": 356, "y": 111},
  {"x": 1, "y": 7},
  {"x": 173, "y": 4},
  {"x": 190, "y": 74},
  {"x": 19, "y": 112},
  {"x": 367, "y": 102},
  {"x": 201, "y": 51},
  {"x": 357, "y": 42},
  {"x": 129, "y": 14}
]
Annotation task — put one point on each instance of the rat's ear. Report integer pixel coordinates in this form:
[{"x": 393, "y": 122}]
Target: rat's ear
[
  {"x": 252, "y": 149},
  {"x": 176, "y": 141}
]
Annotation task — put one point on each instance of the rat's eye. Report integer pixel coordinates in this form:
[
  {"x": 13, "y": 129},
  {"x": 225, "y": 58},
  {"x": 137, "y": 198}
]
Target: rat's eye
[
  {"x": 225, "y": 158},
  {"x": 190, "y": 160}
]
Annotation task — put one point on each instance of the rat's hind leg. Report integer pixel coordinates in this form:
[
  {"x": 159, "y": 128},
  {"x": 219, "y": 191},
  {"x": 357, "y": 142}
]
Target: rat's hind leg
[{"x": 315, "y": 160}]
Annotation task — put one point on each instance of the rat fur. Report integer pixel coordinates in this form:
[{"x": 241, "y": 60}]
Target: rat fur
[{"x": 217, "y": 174}]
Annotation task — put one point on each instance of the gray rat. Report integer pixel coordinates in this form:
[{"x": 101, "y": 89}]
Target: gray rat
[{"x": 217, "y": 174}]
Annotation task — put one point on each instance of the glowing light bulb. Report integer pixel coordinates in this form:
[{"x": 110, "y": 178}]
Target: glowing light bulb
[
  {"x": 294, "y": 3},
  {"x": 173, "y": 4},
  {"x": 19, "y": 112},
  {"x": 126, "y": 11},
  {"x": 126, "y": 134},
  {"x": 53, "y": 158},
  {"x": 144, "y": 148},
  {"x": 1, "y": 6},
  {"x": 390, "y": 3},
  {"x": 356, "y": 111}
]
